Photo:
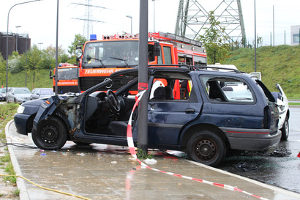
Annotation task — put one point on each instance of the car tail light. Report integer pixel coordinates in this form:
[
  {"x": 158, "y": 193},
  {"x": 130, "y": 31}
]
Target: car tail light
[{"x": 267, "y": 117}]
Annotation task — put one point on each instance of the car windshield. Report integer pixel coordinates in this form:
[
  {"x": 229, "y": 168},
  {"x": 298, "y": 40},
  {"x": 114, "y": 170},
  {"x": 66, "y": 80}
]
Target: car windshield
[
  {"x": 3, "y": 90},
  {"x": 68, "y": 73},
  {"x": 21, "y": 91},
  {"x": 110, "y": 53}
]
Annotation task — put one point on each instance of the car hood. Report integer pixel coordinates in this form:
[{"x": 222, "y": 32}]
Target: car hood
[
  {"x": 22, "y": 95},
  {"x": 33, "y": 103}
]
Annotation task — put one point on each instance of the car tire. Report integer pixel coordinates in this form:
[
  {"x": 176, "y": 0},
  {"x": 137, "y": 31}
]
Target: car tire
[
  {"x": 285, "y": 130},
  {"x": 15, "y": 101},
  {"x": 51, "y": 134},
  {"x": 206, "y": 147}
]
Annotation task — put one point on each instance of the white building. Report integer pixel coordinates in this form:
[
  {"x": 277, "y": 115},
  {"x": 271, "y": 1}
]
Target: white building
[{"x": 295, "y": 35}]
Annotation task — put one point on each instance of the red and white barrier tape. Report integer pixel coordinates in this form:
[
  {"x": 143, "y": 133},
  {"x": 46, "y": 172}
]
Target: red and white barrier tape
[{"x": 133, "y": 154}]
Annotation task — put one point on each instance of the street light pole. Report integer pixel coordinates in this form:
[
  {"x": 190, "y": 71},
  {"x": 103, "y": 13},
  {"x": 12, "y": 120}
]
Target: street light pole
[
  {"x": 143, "y": 78},
  {"x": 25, "y": 2},
  {"x": 40, "y": 45},
  {"x": 130, "y": 17},
  {"x": 153, "y": 16},
  {"x": 255, "y": 35},
  {"x": 56, "y": 53},
  {"x": 17, "y": 37}
]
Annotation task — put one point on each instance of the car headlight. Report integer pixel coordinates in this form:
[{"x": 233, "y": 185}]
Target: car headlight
[{"x": 21, "y": 109}]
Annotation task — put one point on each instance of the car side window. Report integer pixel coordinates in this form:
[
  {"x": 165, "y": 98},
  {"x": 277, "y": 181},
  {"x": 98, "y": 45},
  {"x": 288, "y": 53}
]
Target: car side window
[
  {"x": 231, "y": 90},
  {"x": 170, "y": 89}
]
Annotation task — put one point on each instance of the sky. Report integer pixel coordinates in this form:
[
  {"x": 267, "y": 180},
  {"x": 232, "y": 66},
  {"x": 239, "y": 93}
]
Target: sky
[{"x": 38, "y": 19}]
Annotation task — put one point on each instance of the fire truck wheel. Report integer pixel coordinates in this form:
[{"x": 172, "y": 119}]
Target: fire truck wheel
[
  {"x": 51, "y": 134},
  {"x": 206, "y": 147}
]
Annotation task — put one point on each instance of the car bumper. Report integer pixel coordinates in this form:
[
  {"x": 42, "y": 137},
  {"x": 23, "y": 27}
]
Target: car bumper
[
  {"x": 251, "y": 139},
  {"x": 22, "y": 123}
]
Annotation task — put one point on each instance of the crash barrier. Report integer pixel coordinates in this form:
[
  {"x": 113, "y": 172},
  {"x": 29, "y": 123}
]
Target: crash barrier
[
  {"x": 133, "y": 154},
  {"x": 45, "y": 188}
]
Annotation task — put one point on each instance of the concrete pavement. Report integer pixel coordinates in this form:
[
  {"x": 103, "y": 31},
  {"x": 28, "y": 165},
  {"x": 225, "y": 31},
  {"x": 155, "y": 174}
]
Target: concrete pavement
[{"x": 108, "y": 172}]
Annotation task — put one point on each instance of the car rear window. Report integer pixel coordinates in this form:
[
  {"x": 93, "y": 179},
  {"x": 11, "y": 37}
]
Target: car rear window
[{"x": 231, "y": 90}]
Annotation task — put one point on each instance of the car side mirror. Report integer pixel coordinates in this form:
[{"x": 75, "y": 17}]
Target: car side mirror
[
  {"x": 156, "y": 49},
  {"x": 78, "y": 53}
]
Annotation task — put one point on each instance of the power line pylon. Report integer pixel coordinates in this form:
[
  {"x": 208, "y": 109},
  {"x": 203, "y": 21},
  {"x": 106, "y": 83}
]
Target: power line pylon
[
  {"x": 193, "y": 19},
  {"x": 88, "y": 19}
]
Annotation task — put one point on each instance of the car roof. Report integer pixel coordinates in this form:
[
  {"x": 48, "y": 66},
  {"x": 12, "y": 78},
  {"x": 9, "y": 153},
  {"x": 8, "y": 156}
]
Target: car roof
[
  {"x": 154, "y": 70},
  {"x": 151, "y": 70}
]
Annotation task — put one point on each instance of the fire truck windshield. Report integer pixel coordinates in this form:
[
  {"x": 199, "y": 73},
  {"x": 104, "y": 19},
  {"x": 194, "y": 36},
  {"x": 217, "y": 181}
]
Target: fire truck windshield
[
  {"x": 68, "y": 73},
  {"x": 110, "y": 53}
]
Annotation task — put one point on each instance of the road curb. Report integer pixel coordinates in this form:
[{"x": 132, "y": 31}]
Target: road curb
[
  {"x": 20, "y": 182},
  {"x": 271, "y": 187}
]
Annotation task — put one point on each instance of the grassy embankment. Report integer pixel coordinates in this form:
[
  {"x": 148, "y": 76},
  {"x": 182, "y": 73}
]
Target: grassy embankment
[
  {"x": 7, "y": 112},
  {"x": 42, "y": 80},
  {"x": 280, "y": 64}
]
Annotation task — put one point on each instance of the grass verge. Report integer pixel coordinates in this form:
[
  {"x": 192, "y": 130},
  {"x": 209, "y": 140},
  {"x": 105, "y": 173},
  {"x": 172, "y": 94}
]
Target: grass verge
[{"x": 7, "y": 112}]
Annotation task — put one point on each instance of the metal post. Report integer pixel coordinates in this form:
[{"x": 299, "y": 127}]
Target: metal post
[
  {"x": 143, "y": 77},
  {"x": 255, "y": 35},
  {"x": 299, "y": 37},
  {"x": 284, "y": 37},
  {"x": 153, "y": 16},
  {"x": 273, "y": 26},
  {"x": 7, "y": 38},
  {"x": 56, "y": 49},
  {"x": 17, "y": 37},
  {"x": 271, "y": 39},
  {"x": 26, "y": 60},
  {"x": 130, "y": 17}
]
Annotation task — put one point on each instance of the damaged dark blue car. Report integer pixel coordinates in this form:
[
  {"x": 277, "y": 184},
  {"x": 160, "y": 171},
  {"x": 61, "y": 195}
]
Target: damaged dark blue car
[{"x": 204, "y": 113}]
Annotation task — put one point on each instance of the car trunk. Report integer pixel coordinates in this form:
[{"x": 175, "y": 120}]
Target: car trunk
[{"x": 271, "y": 113}]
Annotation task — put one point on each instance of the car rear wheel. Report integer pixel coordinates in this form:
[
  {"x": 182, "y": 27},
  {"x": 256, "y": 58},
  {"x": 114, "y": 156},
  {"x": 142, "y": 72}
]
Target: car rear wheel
[
  {"x": 51, "y": 134},
  {"x": 285, "y": 130},
  {"x": 206, "y": 147}
]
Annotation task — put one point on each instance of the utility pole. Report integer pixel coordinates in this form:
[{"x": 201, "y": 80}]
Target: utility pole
[
  {"x": 271, "y": 38},
  {"x": 143, "y": 78},
  {"x": 56, "y": 48},
  {"x": 7, "y": 25},
  {"x": 17, "y": 37},
  {"x": 284, "y": 37},
  {"x": 255, "y": 35},
  {"x": 153, "y": 16},
  {"x": 273, "y": 26}
]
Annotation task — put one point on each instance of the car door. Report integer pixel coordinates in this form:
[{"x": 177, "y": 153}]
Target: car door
[
  {"x": 230, "y": 102},
  {"x": 168, "y": 115}
]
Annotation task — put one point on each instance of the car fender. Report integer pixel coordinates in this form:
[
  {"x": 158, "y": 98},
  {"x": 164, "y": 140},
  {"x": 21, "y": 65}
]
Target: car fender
[
  {"x": 187, "y": 130},
  {"x": 47, "y": 108}
]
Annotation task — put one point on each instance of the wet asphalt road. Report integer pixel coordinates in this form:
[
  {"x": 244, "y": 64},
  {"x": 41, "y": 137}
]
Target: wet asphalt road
[{"x": 280, "y": 167}]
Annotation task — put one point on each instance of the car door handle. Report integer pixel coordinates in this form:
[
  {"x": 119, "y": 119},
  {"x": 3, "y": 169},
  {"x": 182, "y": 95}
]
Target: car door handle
[{"x": 190, "y": 110}]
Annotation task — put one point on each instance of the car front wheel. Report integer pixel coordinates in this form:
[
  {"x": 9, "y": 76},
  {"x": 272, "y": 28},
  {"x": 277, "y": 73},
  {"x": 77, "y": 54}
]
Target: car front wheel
[
  {"x": 51, "y": 134},
  {"x": 285, "y": 130},
  {"x": 206, "y": 147}
]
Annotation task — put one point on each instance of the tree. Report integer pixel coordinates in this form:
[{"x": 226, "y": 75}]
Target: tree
[
  {"x": 33, "y": 61},
  {"x": 79, "y": 40},
  {"x": 215, "y": 41}
]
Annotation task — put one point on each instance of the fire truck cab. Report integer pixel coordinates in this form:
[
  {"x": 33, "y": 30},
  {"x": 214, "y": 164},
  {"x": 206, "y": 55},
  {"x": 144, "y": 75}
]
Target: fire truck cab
[{"x": 100, "y": 58}]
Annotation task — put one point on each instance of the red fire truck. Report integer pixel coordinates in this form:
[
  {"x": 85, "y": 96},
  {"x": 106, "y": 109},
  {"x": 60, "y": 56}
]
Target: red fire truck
[
  {"x": 100, "y": 58},
  {"x": 67, "y": 78}
]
